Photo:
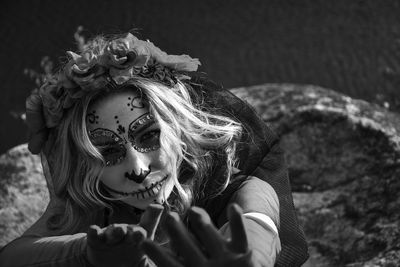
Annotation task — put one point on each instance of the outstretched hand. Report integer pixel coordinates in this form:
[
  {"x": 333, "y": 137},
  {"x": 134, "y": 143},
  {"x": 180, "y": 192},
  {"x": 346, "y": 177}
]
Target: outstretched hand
[
  {"x": 206, "y": 247},
  {"x": 118, "y": 244}
]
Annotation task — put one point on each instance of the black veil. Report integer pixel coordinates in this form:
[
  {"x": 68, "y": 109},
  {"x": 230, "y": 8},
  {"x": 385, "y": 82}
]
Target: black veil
[{"x": 259, "y": 155}]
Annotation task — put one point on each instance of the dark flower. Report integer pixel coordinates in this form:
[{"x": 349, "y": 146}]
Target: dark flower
[
  {"x": 84, "y": 70},
  {"x": 127, "y": 52}
]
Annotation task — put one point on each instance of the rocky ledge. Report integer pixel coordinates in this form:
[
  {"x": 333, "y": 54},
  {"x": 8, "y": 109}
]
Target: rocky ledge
[{"x": 344, "y": 162}]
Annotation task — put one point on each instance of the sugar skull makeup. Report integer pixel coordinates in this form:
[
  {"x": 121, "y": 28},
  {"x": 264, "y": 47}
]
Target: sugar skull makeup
[
  {"x": 137, "y": 170},
  {"x": 142, "y": 135}
]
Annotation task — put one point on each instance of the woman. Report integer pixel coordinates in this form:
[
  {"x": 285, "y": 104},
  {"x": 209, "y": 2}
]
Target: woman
[{"x": 125, "y": 131}]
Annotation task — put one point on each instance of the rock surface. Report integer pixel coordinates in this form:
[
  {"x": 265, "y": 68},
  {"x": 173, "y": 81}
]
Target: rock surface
[
  {"x": 23, "y": 192},
  {"x": 343, "y": 156}
]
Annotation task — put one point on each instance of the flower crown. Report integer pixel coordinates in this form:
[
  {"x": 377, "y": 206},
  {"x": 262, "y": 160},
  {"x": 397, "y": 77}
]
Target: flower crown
[{"x": 101, "y": 63}]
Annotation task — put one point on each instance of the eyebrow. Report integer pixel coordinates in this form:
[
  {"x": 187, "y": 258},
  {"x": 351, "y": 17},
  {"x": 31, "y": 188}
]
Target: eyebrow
[{"x": 104, "y": 139}]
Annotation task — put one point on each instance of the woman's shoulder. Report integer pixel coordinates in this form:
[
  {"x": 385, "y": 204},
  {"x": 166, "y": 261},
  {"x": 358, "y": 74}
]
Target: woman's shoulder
[
  {"x": 255, "y": 184},
  {"x": 256, "y": 195},
  {"x": 251, "y": 193}
]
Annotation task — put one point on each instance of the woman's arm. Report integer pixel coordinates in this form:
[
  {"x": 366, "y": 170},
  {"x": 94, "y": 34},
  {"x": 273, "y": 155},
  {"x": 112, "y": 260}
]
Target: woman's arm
[
  {"x": 260, "y": 206},
  {"x": 114, "y": 245},
  {"x": 65, "y": 250},
  {"x": 248, "y": 237},
  {"x": 39, "y": 246}
]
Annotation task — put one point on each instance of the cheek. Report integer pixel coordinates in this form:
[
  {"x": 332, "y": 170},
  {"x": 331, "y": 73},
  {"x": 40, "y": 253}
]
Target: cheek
[
  {"x": 162, "y": 160},
  {"x": 112, "y": 177}
]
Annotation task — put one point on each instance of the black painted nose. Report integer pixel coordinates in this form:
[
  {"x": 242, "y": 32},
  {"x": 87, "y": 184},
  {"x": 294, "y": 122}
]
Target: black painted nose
[{"x": 137, "y": 178}]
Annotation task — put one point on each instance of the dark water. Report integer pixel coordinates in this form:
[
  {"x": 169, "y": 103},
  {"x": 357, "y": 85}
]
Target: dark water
[{"x": 346, "y": 45}]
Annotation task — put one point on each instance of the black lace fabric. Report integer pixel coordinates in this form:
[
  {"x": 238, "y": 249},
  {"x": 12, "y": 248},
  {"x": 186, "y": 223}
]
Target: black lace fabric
[{"x": 260, "y": 156}]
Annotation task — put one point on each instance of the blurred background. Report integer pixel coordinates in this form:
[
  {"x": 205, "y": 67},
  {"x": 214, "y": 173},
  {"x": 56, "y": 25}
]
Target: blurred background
[{"x": 350, "y": 46}]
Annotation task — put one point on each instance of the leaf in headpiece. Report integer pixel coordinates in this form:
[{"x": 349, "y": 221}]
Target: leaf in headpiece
[
  {"x": 176, "y": 62},
  {"x": 38, "y": 132}
]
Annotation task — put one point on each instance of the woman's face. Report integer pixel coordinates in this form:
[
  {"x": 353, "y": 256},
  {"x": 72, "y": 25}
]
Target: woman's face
[{"x": 137, "y": 171}]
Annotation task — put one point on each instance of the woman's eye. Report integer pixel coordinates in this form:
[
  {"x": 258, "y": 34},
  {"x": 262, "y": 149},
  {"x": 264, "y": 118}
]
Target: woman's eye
[
  {"x": 150, "y": 138},
  {"x": 110, "y": 151},
  {"x": 113, "y": 155}
]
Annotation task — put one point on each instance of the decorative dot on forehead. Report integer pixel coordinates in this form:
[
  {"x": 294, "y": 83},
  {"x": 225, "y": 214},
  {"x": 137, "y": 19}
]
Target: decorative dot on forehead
[{"x": 135, "y": 102}]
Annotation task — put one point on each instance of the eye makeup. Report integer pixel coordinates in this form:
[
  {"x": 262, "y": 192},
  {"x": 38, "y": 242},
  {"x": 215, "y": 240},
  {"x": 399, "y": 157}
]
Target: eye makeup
[
  {"x": 113, "y": 155},
  {"x": 143, "y": 136},
  {"x": 140, "y": 122},
  {"x": 101, "y": 136},
  {"x": 109, "y": 144}
]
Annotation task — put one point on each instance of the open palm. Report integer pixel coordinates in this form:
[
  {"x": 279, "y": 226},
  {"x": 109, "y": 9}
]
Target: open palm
[{"x": 204, "y": 246}]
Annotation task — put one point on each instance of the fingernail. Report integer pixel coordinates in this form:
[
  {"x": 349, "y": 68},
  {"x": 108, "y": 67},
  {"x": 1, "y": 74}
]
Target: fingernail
[
  {"x": 199, "y": 215},
  {"x": 173, "y": 217},
  {"x": 172, "y": 221},
  {"x": 156, "y": 206},
  {"x": 94, "y": 228},
  {"x": 119, "y": 231},
  {"x": 138, "y": 236}
]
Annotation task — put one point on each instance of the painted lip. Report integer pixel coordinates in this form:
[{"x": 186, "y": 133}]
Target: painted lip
[{"x": 149, "y": 191}]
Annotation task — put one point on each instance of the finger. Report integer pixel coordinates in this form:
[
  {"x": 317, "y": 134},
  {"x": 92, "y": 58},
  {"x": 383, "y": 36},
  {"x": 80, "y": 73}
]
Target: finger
[
  {"x": 95, "y": 242},
  {"x": 115, "y": 234},
  {"x": 134, "y": 237},
  {"x": 239, "y": 238},
  {"x": 93, "y": 232},
  {"x": 205, "y": 231},
  {"x": 159, "y": 255},
  {"x": 182, "y": 241},
  {"x": 135, "y": 234},
  {"x": 95, "y": 235},
  {"x": 108, "y": 234},
  {"x": 151, "y": 218}
]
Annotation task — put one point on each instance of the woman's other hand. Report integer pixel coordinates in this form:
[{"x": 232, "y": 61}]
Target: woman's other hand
[
  {"x": 205, "y": 246},
  {"x": 118, "y": 244}
]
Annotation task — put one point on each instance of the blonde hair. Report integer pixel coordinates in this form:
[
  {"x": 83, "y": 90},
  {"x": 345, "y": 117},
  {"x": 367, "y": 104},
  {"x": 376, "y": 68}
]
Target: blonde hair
[{"x": 193, "y": 137}]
